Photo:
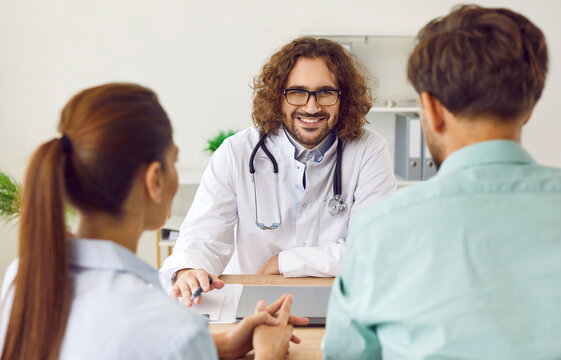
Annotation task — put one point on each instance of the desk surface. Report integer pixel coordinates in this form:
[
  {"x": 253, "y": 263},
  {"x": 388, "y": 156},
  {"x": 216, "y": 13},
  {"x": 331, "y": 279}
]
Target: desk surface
[{"x": 311, "y": 337}]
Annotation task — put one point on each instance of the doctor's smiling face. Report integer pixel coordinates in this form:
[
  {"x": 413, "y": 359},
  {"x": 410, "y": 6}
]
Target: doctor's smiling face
[{"x": 311, "y": 122}]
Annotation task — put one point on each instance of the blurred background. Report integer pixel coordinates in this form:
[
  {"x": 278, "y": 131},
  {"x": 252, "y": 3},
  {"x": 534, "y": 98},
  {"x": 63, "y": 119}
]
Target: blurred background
[{"x": 201, "y": 56}]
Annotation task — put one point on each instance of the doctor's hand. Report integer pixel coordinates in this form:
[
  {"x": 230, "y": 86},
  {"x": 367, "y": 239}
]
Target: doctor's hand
[
  {"x": 271, "y": 267},
  {"x": 189, "y": 280},
  {"x": 272, "y": 342}
]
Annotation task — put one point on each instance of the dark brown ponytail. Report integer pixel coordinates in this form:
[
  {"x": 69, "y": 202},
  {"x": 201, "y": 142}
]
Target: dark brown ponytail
[
  {"x": 109, "y": 132},
  {"x": 41, "y": 298}
]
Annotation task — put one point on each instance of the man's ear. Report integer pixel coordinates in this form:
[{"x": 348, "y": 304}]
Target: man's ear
[
  {"x": 527, "y": 118},
  {"x": 153, "y": 180},
  {"x": 433, "y": 111}
]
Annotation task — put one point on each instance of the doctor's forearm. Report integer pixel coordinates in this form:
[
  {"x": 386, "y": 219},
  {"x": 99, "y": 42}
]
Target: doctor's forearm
[{"x": 319, "y": 261}]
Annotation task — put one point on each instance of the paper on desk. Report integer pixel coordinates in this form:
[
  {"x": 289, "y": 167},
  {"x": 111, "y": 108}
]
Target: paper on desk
[
  {"x": 233, "y": 293},
  {"x": 211, "y": 304},
  {"x": 220, "y": 311}
]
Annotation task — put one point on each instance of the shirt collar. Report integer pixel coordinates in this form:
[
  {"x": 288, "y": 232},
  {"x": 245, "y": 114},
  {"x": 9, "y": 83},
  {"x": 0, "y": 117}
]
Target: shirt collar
[
  {"x": 107, "y": 255},
  {"x": 486, "y": 153},
  {"x": 316, "y": 154}
]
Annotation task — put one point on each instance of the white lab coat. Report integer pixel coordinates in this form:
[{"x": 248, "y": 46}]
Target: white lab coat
[{"x": 220, "y": 232}]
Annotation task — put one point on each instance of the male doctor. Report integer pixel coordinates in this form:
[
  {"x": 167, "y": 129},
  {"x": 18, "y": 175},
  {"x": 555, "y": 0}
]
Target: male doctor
[{"x": 273, "y": 200}]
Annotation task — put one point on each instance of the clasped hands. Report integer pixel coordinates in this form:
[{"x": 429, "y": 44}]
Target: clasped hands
[{"x": 268, "y": 330}]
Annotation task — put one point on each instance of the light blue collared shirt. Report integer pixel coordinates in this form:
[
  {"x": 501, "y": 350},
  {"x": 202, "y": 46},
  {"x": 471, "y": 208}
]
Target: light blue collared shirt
[
  {"x": 119, "y": 310},
  {"x": 304, "y": 155},
  {"x": 464, "y": 266}
]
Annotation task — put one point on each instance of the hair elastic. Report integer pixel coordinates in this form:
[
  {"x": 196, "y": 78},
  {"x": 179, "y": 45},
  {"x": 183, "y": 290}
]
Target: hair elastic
[{"x": 66, "y": 143}]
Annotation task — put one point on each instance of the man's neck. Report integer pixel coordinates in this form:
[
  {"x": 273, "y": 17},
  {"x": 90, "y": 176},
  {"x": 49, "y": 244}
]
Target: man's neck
[
  {"x": 323, "y": 146},
  {"x": 465, "y": 132}
]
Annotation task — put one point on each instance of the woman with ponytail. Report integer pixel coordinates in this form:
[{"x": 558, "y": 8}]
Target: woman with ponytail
[{"x": 87, "y": 296}]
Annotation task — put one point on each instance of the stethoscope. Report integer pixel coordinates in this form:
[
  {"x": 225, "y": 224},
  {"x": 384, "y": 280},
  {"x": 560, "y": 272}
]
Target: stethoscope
[{"x": 335, "y": 206}]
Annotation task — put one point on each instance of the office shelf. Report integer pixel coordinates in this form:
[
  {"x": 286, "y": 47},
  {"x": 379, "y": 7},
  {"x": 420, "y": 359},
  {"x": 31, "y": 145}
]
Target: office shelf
[{"x": 401, "y": 109}]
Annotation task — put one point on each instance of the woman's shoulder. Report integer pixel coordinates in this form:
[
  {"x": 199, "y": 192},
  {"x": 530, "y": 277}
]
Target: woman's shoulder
[
  {"x": 9, "y": 277},
  {"x": 144, "y": 319}
]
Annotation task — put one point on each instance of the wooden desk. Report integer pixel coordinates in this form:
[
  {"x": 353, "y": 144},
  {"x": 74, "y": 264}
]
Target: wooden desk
[{"x": 311, "y": 337}]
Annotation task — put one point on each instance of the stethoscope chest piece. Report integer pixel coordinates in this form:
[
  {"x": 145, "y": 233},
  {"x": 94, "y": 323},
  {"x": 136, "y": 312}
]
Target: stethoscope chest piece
[{"x": 336, "y": 206}]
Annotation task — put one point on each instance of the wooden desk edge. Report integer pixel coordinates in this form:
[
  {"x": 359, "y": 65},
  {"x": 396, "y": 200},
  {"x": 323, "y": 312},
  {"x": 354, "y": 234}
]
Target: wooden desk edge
[{"x": 277, "y": 280}]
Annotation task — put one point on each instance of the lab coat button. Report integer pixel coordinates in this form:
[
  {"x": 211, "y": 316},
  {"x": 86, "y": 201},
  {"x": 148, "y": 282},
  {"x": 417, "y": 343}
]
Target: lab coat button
[
  {"x": 303, "y": 244},
  {"x": 304, "y": 205}
]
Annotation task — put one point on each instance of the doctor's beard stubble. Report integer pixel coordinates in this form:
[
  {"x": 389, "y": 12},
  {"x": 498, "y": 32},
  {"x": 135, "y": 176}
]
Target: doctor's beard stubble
[{"x": 299, "y": 134}]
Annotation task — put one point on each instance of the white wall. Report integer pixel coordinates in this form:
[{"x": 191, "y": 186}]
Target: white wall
[{"x": 200, "y": 57}]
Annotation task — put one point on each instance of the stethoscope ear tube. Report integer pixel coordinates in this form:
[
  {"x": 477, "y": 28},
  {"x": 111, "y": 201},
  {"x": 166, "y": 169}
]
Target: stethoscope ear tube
[
  {"x": 261, "y": 144},
  {"x": 255, "y": 149},
  {"x": 337, "y": 177},
  {"x": 336, "y": 205}
]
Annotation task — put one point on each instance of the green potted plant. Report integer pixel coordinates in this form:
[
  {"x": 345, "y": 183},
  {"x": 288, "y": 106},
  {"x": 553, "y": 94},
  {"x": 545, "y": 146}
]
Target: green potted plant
[
  {"x": 10, "y": 200},
  {"x": 10, "y": 197},
  {"x": 215, "y": 141}
]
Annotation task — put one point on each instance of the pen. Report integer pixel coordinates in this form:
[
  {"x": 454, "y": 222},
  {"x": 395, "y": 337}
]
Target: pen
[{"x": 200, "y": 290}]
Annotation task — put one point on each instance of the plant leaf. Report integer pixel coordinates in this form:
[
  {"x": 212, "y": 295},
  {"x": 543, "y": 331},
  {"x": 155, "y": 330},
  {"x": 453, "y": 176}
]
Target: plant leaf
[
  {"x": 217, "y": 140},
  {"x": 10, "y": 197}
]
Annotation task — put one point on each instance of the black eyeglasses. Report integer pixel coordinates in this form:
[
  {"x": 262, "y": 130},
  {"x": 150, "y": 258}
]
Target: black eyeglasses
[{"x": 299, "y": 97}]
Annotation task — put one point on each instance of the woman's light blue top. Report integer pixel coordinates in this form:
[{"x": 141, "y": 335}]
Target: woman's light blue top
[{"x": 119, "y": 310}]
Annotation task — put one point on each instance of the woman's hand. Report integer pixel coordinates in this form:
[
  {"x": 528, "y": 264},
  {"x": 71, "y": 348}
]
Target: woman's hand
[
  {"x": 238, "y": 341},
  {"x": 271, "y": 342}
]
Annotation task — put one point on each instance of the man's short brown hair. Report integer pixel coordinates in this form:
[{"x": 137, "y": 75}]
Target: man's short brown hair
[
  {"x": 351, "y": 76},
  {"x": 479, "y": 61}
]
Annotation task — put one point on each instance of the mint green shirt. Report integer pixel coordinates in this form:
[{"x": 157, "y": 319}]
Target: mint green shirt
[{"x": 464, "y": 266}]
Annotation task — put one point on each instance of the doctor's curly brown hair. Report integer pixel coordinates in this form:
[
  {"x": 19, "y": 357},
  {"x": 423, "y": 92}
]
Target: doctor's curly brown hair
[{"x": 351, "y": 76}]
